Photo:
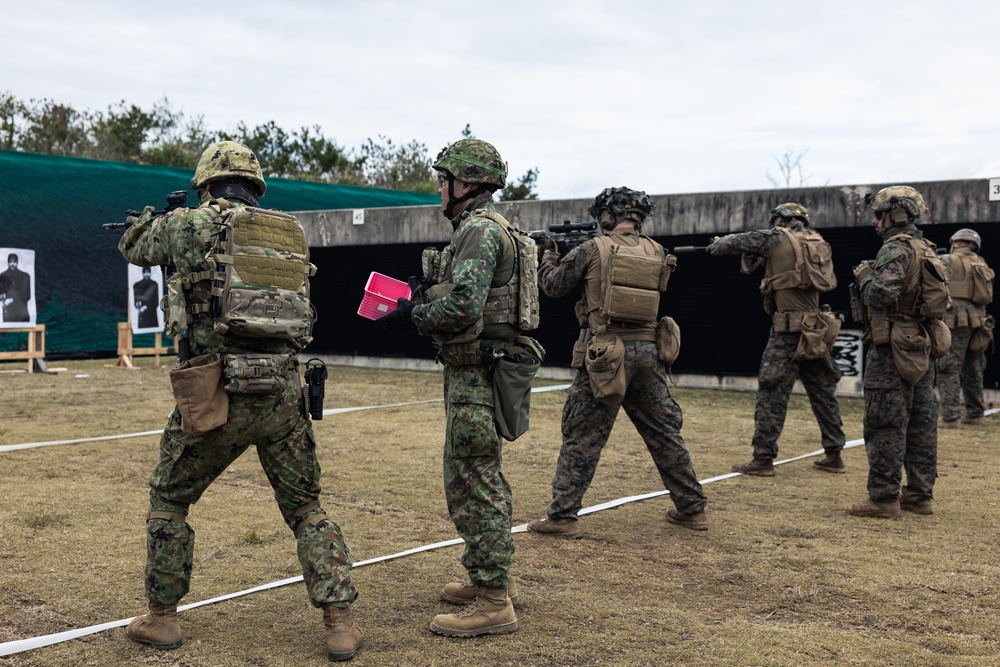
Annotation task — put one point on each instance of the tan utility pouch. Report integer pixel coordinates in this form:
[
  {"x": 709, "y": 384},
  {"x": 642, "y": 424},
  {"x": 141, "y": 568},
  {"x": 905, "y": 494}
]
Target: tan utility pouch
[
  {"x": 812, "y": 338},
  {"x": 833, "y": 325},
  {"x": 940, "y": 336},
  {"x": 580, "y": 349},
  {"x": 668, "y": 340},
  {"x": 605, "y": 362},
  {"x": 983, "y": 336},
  {"x": 197, "y": 389},
  {"x": 911, "y": 350}
]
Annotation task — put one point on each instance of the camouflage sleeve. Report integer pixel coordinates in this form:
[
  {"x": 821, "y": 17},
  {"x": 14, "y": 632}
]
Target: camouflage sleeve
[
  {"x": 759, "y": 242},
  {"x": 890, "y": 276},
  {"x": 179, "y": 238},
  {"x": 476, "y": 246},
  {"x": 558, "y": 276}
]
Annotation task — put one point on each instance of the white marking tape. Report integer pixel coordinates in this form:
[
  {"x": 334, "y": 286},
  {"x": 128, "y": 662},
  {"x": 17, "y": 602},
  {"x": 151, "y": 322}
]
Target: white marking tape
[{"x": 21, "y": 645}]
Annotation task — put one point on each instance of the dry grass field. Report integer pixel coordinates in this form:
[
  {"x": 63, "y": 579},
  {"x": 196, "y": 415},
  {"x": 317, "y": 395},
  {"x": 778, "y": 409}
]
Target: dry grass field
[{"x": 783, "y": 577}]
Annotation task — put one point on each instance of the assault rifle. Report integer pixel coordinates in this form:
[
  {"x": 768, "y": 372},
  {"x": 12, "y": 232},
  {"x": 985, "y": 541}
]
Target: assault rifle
[
  {"x": 175, "y": 200},
  {"x": 685, "y": 249},
  {"x": 567, "y": 235}
]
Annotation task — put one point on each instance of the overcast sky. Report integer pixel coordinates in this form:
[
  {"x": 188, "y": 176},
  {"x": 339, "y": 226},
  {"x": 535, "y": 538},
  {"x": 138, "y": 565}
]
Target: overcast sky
[{"x": 663, "y": 96}]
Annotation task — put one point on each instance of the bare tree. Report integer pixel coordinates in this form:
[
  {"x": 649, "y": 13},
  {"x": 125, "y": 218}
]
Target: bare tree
[{"x": 790, "y": 169}]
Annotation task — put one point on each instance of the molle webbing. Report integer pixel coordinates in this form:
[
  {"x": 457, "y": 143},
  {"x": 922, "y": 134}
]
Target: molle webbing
[
  {"x": 788, "y": 321},
  {"x": 960, "y": 289},
  {"x": 502, "y": 303}
]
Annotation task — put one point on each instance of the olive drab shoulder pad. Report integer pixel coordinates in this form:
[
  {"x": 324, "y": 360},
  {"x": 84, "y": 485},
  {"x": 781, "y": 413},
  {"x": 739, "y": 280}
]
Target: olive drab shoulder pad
[{"x": 260, "y": 276}]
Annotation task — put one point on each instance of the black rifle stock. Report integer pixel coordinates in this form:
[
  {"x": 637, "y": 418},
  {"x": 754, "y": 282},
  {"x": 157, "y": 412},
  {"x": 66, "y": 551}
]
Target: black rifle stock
[
  {"x": 175, "y": 200},
  {"x": 567, "y": 235}
]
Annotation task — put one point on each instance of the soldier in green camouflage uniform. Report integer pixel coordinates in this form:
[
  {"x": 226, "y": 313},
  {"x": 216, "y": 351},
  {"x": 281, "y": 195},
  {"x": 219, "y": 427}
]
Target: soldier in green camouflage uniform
[
  {"x": 272, "y": 421},
  {"x": 587, "y": 421},
  {"x": 778, "y": 367},
  {"x": 900, "y": 422},
  {"x": 479, "y": 262},
  {"x": 960, "y": 372}
]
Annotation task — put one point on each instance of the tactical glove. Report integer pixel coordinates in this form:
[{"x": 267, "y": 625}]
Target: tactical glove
[
  {"x": 864, "y": 274},
  {"x": 400, "y": 319}
]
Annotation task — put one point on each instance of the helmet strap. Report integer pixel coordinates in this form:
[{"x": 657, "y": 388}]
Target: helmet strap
[{"x": 453, "y": 201}]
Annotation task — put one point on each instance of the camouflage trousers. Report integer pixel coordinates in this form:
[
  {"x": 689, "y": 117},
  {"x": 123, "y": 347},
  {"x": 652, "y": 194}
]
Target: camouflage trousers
[
  {"x": 479, "y": 498},
  {"x": 900, "y": 428},
  {"x": 778, "y": 372},
  {"x": 587, "y": 423},
  {"x": 287, "y": 451},
  {"x": 960, "y": 373}
]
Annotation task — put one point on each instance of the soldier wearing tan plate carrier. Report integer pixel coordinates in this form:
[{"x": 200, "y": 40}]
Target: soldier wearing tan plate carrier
[
  {"x": 621, "y": 356},
  {"x": 798, "y": 267},
  {"x": 960, "y": 372}
]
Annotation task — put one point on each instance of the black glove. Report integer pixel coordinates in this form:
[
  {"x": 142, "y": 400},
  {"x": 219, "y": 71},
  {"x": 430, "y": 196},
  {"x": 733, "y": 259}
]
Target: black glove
[{"x": 400, "y": 319}]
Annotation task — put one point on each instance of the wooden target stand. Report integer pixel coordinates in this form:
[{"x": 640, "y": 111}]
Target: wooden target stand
[
  {"x": 126, "y": 352},
  {"x": 35, "y": 354}
]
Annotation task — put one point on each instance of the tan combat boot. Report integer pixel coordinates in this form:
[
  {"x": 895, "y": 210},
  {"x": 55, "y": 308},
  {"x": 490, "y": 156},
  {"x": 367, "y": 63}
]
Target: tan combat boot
[
  {"x": 877, "y": 509},
  {"x": 832, "y": 462},
  {"x": 158, "y": 628},
  {"x": 911, "y": 503},
  {"x": 490, "y": 614},
  {"x": 694, "y": 520},
  {"x": 458, "y": 592},
  {"x": 757, "y": 468},
  {"x": 555, "y": 527},
  {"x": 343, "y": 636},
  {"x": 972, "y": 421}
]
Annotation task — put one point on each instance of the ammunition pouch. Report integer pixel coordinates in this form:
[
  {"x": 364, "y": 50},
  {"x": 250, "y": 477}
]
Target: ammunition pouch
[
  {"x": 580, "y": 349},
  {"x": 255, "y": 373},
  {"x": 813, "y": 330},
  {"x": 788, "y": 321},
  {"x": 858, "y": 311},
  {"x": 197, "y": 388},
  {"x": 877, "y": 332},
  {"x": 668, "y": 340},
  {"x": 940, "y": 336},
  {"x": 983, "y": 336},
  {"x": 911, "y": 349},
  {"x": 605, "y": 362},
  {"x": 513, "y": 368}
]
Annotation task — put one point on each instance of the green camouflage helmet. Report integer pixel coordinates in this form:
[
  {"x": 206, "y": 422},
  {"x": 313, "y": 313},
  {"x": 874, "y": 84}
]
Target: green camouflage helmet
[
  {"x": 901, "y": 197},
  {"x": 783, "y": 214},
  {"x": 473, "y": 161},
  {"x": 227, "y": 159},
  {"x": 969, "y": 235},
  {"x": 622, "y": 203}
]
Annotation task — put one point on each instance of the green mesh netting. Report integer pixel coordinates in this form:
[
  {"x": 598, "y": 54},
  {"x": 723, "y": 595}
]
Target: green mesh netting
[{"x": 56, "y": 205}]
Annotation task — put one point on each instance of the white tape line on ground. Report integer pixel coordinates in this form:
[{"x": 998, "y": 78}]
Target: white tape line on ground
[
  {"x": 21, "y": 645},
  {"x": 331, "y": 411}
]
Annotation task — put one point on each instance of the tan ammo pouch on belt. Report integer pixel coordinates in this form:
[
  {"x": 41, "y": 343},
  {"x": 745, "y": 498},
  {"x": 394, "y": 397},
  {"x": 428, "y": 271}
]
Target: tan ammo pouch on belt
[
  {"x": 605, "y": 362},
  {"x": 940, "y": 336},
  {"x": 813, "y": 329},
  {"x": 254, "y": 373},
  {"x": 983, "y": 336},
  {"x": 787, "y": 321},
  {"x": 911, "y": 350},
  {"x": 197, "y": 388},
  {"x": 668, "y": 340}
]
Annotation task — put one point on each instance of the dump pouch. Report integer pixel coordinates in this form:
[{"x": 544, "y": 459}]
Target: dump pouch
[
  {"x": 983, "y": 336},
  {"x": 911, "y": 350},
  {"x": 197, "y": 388},
  {"x": 812, "y": 338},
  {"x": 668, "y": 340},
  {"x": 513, "y": 371},
  {"x": 605, "y": 363},
  {"x": 940, "y": 336}
]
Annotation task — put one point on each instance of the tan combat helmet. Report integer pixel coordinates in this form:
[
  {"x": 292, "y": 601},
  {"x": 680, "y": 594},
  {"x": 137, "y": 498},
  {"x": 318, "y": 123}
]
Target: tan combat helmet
[
  {"x": 969, "y": 235},
  {"x": 784, "y": 215},
  {"x": 228, "y": 159},
  {"x": 903, "y": 204}
]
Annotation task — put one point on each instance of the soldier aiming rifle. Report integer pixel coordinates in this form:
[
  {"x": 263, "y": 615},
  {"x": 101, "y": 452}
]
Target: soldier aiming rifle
[{"x": 566, "y": 235}]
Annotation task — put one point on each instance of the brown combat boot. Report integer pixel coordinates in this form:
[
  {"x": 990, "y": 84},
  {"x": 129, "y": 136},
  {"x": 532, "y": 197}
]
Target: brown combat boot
[
  {"x": 876, "y": 509},
  {"x": 694, "y": 520},
  {"x": 158, "y": 628},
  {"x": 555, "y": 527},
  {"x": 831, "y": 463},
  {"x": 972, "y": 421},
  {"x": 756, "y": 467},
  {"x": 909, "y": 502},
  {"x": 953, "y": 424},
  {"x": 491, "y": 613},
  {"x": 458, "y": 592},
  {"x": 343, "y": 636}
]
